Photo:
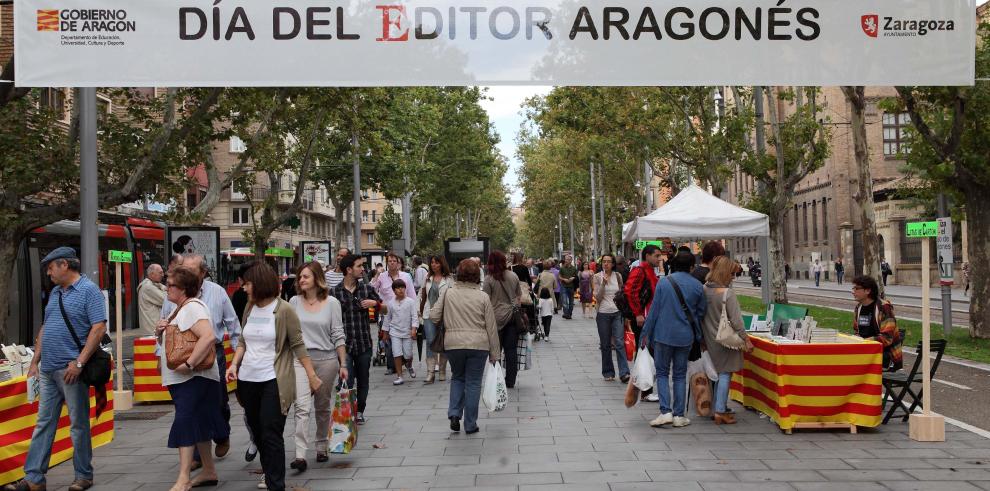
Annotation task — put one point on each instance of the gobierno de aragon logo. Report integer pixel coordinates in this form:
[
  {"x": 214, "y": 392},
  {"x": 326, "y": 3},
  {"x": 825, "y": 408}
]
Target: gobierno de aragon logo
[
  {"x": 874, "y": 25},
  {"x": 85, "y": 20}
]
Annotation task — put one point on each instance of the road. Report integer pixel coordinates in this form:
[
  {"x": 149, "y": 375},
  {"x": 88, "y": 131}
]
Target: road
[{"x": 960, "y": 387}]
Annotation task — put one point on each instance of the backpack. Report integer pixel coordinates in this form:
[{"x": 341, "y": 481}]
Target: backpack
[{"x": 645, "y": 297}]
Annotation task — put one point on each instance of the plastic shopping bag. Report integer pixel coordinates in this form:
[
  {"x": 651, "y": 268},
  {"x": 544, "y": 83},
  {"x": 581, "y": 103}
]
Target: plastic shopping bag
[
  {"x": 529, "y": 351},
  {"x": 489, "y": 386},
  {"x": 501, "y": 389},
  {"x": 710, "y": 371},
  {"x": 343, "y": 431},
  {"x": 644, "y": 371},
  {"x": 630, "y": 345}
]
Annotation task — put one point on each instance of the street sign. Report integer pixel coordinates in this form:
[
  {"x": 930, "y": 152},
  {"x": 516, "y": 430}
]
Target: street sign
[
  {"x": 641, "y": 244},
  {"x": 943, "y": 247},
  {"x": 922, "y": 229},
  {"x": 121, "y": 257}
]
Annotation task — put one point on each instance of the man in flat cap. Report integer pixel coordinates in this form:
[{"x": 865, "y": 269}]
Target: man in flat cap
[{"x": 76, "y": 304}]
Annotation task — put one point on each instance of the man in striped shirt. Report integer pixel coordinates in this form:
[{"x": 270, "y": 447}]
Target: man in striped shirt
[{"x": 335, "y": 276}]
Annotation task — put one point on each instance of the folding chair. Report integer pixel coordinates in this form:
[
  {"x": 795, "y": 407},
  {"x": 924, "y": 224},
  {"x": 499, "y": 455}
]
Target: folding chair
[{"x": 899, "y": 385}]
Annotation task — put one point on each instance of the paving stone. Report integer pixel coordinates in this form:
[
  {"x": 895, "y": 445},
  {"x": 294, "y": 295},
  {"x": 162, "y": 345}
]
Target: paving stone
[
  {"x": 518, "y": 479},
  {"x": 604, "y": 476},
  {"x": 723, "y": 465},
  {"x": 807, "y": 464},
  {"x": 783, "y": 475},
  {"x": 863, "y": 475},
  {"x": 930, "y": 485},
  {"x": 950, "y": 474},
  {"x": 837, "y": 486},
  {"x": 746, "y": 486},
  {"x": 702, "y": 477}
]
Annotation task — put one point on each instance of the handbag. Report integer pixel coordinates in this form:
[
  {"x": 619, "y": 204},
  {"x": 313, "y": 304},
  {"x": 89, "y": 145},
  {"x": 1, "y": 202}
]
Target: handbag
[
  {"x": 436, "y": 345},
  {"x": 96, "y": 371},
  {"x": 179, "y": 345},
  {"x": 726, "y": 335},
  {"x": 630, "y": 342},
  {"x": 525, "y": 298},
  {"x": 517, "y": 318},
  {"x": 695, "y": 353}
]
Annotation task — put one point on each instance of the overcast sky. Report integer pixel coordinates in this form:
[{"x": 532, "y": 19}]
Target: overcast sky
[{"x": 505, "y": 113}]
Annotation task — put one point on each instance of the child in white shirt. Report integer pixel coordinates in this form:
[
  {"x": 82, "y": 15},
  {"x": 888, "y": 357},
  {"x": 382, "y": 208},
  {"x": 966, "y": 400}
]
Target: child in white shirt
[
  {"x": 546, "y": 311},
  {"x": 400, "y": 325}
]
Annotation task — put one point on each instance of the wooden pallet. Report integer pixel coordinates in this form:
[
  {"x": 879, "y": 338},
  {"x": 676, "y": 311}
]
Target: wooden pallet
[{"x": 822, "y": 426}]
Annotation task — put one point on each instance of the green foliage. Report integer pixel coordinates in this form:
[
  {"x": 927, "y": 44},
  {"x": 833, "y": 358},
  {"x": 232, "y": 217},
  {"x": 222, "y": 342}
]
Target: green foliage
[{"x": 389, "y": 227}]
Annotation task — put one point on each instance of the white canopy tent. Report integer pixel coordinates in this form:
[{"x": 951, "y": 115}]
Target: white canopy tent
[{"x": 694, "y": 214}]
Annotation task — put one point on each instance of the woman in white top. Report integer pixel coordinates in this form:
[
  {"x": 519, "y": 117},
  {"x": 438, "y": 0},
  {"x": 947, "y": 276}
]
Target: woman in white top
[
  {"x": 611, "y": 334},
  {"x": 194, "y": 392},
  {"x": 323, "y": 332},
  {"x": 438, "y": 281}
]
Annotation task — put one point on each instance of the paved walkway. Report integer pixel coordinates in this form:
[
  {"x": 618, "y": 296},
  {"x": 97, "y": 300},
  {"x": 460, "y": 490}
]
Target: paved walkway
[{"x": 564, "y": 428}]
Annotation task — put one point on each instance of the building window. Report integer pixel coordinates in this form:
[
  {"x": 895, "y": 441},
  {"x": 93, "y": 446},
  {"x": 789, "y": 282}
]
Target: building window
[
  {"x": 371, "y": 238},
  {"x": 240, "y": 216},
  {"x": 374, "y": 216},
  {"x": 797, "y": 226},
  {"x": 804, "y": 213},
  {"x": 825, "y": 220},
  {"x": 54, "y": 99},
  {"x": 894, "y": 137},
  {"x": 237, "y": 145},
  {"x": 364, "y": 216},
  {"x": 814, "y": 221},
  {"x": 103, "y": 109}
]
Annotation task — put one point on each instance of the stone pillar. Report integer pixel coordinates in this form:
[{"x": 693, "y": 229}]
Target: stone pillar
[
  {"x": 846, "y": 246},
  {"x": 893, "y": 245}
]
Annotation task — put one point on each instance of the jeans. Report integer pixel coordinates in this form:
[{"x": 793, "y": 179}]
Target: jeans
[
  {"x": 839, "y": 275},
  {"x": 665, "y": 355},
  {"x": 611, "y": 337},
  {"x": 468, "y": 366},
  {"x": 359, "y": 368},
  {"x": 429, "y": 332},
  {"x": 818, "y": 278},
  {"x": 509, "y": 340},
  {"x": 722, "y": 392},
  {"x": 567, "y": 298},
  {"x": 223, "y": 434},
  {"x": 264, "y": 416},
  {"x": 54, "y": 391}
]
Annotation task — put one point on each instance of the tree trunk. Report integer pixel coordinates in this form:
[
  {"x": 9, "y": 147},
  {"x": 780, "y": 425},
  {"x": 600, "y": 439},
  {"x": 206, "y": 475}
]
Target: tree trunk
[
  {"x": 864, "y": 193},
  {"x": 339, "y": 208},
  {"x": 260, "y": 243},
  {"x": 978, "y": 229},
  {"x": 8, "y": 258},
  {"x": 778, "y": 280}
]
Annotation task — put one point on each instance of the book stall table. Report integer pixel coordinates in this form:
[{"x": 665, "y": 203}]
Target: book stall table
[
  {"x": 17, "y": 420},
  {"x": 812, "y": 385},
  {"x": 148, "y": 380}
]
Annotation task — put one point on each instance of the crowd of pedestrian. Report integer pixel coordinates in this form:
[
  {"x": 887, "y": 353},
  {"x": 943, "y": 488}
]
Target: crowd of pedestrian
[{"x": 291, "y": 354}]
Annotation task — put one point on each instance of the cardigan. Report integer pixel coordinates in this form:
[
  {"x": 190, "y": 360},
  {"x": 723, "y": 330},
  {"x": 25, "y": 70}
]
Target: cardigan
[{"x": 289, "y": 345}]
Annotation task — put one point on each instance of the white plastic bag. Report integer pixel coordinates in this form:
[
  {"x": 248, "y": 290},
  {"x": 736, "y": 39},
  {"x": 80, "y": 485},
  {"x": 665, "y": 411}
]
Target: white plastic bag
[
  {"x": 489, "y": 385},
  {"x": 709, "y": 366},
  {"x": 529, "y": 351},
  {"x": 644, "y": 371},
  {"x": 501, "y": 390}
]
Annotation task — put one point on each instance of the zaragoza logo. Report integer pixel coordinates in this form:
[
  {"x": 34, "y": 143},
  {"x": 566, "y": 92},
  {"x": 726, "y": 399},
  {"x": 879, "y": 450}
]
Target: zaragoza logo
[
  {"x": 48, "y": 20},
  {"x": 870, "y": 24}
]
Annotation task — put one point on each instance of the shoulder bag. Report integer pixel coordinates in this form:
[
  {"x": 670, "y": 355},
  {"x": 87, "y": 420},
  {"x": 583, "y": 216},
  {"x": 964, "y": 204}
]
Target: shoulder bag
[
  {"x": 179, "y": 345},
  {"x": 696, "y": 345},
  {"x": 96, "y": 371},
  {"x": 436, "y": 345},
  {"x": 726, "y": 335},
  {"x": 517, "y": 315}
]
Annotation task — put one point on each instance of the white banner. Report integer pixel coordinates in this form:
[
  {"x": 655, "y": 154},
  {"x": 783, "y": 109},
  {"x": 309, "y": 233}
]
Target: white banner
[{"x": 505, "y": 42}]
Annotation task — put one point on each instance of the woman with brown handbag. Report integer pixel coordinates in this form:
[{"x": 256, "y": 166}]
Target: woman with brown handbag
[
  {"x": 727, "y": 359},
  {"x": 192, "y": 382}
]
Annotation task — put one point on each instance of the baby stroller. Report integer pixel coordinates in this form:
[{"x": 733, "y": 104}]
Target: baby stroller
[
  {"x": 381, "y": 358},
  {"x": 533, "y": 315}
]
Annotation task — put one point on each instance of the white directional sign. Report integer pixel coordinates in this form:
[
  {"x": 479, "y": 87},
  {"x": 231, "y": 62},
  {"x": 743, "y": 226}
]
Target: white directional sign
[
  {"x": 944, "y": 250},
  {"x": 164, "y": 43}
]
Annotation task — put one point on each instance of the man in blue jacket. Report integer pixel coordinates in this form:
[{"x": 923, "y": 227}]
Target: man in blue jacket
[{"x": 671, "y": 332}]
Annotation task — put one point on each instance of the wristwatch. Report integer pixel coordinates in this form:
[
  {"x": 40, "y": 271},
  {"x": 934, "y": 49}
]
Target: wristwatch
[
  {"x": 79, "y": 364},
  {"x": 188, "y": 365}
]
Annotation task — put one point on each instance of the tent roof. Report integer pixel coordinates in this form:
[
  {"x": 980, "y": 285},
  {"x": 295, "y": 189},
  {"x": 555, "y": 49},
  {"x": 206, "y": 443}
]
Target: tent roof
[{"x": 696, "y": 214}]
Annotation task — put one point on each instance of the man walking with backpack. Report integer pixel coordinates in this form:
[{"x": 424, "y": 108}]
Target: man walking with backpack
[
  {"x": 75, "y": 314},
  {"x": 638, "y": 290}
]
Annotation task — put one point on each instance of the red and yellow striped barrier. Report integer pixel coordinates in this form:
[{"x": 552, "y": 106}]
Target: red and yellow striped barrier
[
  {"x": 812, "y": 383},
  {"x": 17, "y": 420},
  {"x": 148, "y": 379}
]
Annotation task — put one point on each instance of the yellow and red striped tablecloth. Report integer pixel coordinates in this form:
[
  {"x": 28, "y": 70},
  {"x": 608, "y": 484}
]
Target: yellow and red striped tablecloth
[
  {"x": 148, "y": 380},
  {"x": 17, "y": 420},
  {"x": 812, "y": 383}
]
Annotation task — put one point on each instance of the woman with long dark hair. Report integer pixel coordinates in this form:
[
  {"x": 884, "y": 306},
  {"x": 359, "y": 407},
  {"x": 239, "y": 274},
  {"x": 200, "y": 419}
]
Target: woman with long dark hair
[
  {"x": 502, "y": 287},
  {"x": 438, "y": 281}
]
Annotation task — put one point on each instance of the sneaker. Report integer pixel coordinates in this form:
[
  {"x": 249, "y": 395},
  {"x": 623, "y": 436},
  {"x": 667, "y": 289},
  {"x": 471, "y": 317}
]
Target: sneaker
[
  {"x": 250, "y": 453},
  {"x": 653, "y": 397},
  {"x": 360, "y": 419},
  {"x": 436, "y": 368},
  {"x": 680, "y": 421},
  {"x": 663, "y": 419},
  {"x": 398, "y": 381},
  {"x": 547, "y": 339},
  {"x": 412, "y": 372},
  {"x": 262, "y": 485}
]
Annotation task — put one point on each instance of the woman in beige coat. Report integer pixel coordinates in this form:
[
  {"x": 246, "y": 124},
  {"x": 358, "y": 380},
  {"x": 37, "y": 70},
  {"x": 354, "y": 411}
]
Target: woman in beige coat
[
  {"x": 718, "y": 292},
  {"x": 470, "y": 339}
]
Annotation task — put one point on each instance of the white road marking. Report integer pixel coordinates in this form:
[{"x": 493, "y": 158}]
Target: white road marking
[{"x": 952, "y": 384}]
